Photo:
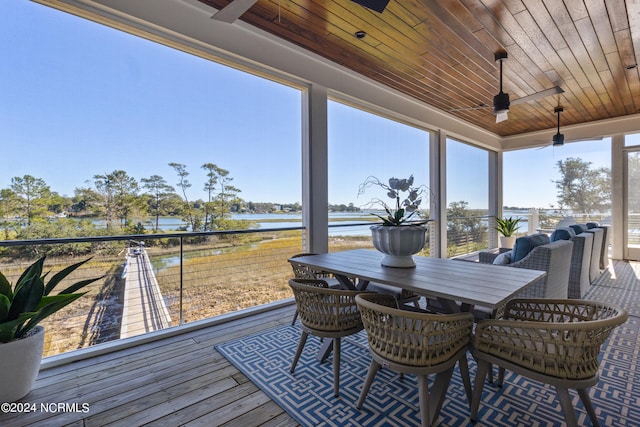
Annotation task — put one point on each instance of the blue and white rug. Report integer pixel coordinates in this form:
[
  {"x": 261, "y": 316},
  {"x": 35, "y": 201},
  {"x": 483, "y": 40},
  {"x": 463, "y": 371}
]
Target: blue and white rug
[{"x": 307, "y": 394}]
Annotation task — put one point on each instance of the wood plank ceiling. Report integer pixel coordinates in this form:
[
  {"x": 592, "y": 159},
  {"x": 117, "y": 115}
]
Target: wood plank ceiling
[{"x": 442, "y": 52}]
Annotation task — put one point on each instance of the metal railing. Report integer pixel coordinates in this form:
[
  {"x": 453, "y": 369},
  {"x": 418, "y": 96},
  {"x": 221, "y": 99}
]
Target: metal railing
[{"x": 200, "y": 275}]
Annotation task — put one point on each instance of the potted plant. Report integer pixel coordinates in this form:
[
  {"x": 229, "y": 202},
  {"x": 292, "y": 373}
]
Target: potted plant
[
  {"x": 398, "y": 237},
  {"x": 22, "y": 307},
  {"x": 507, "y": 227}
]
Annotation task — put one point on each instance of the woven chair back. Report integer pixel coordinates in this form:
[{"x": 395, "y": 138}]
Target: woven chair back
[
  {"x": 409, "y": 337},
  {"x": 561, "y": 338},
  {"x": 305, "y": 272},
  {"x": 323, "y": 308}
]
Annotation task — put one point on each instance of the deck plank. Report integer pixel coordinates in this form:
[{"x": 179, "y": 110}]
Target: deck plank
[{"x": 177, "y": 380}]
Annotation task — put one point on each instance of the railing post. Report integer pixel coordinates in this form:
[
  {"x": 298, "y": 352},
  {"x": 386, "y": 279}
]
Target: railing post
[
  {"x": 181, "y": 280},
  {"x": 534, "y": 221}
]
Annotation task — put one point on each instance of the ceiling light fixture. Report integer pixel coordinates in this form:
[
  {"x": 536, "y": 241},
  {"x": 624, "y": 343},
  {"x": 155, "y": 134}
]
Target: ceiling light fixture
[
  {"x": 558, "y": 138},
  {"x": 501, "y": 100},
  {"x": 360, "y": 34},
  {"x": 377, "y": 5}
]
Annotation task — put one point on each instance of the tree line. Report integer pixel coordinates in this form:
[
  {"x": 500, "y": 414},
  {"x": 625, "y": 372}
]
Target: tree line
[{"x": 123, "y": 204}]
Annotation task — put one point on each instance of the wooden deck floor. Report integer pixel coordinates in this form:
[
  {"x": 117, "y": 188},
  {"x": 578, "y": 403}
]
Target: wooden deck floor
[{"x": 181, "y": 380}]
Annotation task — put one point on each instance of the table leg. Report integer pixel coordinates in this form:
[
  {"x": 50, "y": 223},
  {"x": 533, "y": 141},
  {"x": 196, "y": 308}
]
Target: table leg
[
  {"x": 325, "y": 350},
  {"x": 346, "y": 282},
  {"x": 352, "y": 284}
]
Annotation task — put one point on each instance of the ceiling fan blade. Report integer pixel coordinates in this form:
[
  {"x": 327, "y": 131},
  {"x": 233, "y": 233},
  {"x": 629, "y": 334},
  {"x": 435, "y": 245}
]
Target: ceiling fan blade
[
  {"x": 501, "y": 117},
  {"x": 233, "y": 10},
  {"x": 479, "y": 107},
  {"x": 538, "y": 95}
]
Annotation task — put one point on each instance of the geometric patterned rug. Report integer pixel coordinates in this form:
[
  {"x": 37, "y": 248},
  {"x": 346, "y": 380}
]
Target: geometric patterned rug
[{"x": 307, "y": 394}]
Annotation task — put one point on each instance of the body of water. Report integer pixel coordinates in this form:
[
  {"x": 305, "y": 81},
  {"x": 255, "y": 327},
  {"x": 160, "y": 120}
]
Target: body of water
[{"x": 260, "y": 221}]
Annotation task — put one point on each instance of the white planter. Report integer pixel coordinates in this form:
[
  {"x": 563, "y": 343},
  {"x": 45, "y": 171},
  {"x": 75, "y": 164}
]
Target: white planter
[
  {"x": 507, "y": 242},
  {"x": 398, "y": 243},
  {"x": 19, "y": 365}
]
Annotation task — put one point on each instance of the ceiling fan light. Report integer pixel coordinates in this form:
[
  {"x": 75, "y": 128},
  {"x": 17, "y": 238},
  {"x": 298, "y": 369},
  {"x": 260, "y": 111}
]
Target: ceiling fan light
[
  {"x": 377, "y": 5},
  {"x": 558, "y": 139},
  {"x": 501, "y": 103}
]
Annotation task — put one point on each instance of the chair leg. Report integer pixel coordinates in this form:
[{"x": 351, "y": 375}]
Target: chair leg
[
  {"x": 423, "y": 393},
  {"x": 336, "y": 367},
  {"x": 439, "y": 392},
  {"x": 481, "y": 373},
  {"x": 567, "y": 407},
  {"x": 301, "y": 343},
  {"x": 466, "y": 378},
  {"x": 295, "y": 317},
  {"x": 373, "y": 370},
  {"x": 586, "y": 401},
  {"x": 500, "y": 377}
]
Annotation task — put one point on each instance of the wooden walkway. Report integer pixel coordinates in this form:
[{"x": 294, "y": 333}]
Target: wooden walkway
[
  {"x": 181, "y": 380},
  {"x": 144, "y": 308}
]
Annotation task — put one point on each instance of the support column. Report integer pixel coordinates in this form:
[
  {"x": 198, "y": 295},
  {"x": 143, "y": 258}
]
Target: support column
[
  {"x": 495, "y": 195},
  {"x": 315, "y": 204},
  {"x": 437, "y": 184},
  {"x": 618, "y": 202}
]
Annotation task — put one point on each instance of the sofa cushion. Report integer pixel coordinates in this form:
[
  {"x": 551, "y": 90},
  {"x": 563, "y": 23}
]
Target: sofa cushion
[
  {"x": 562, "y": 234},
  {"x": 503, "y": 259},
  {"x": 591, "y": 225},
  {"x": 579, "y": 228},
  {"x": 525, "y": 244}
]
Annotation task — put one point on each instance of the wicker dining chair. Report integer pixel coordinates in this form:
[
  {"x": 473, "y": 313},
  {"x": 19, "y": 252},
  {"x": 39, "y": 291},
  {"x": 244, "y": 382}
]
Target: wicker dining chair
[
  {"x": 305, "y": 272},
  {"x": 552, "y": 341},
  {"x": 326, "y": 313},
  {"x": 419, "y": 343}
]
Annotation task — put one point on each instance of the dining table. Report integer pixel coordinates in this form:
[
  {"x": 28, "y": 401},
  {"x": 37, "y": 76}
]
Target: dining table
[{"x": 458, "y": 285}]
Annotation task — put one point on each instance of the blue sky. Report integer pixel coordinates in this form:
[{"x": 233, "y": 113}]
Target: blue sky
[{"x": 80, "y": 99}]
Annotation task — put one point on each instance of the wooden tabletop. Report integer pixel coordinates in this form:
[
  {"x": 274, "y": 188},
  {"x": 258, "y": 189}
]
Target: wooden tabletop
[{"x": 470, "y": 283}]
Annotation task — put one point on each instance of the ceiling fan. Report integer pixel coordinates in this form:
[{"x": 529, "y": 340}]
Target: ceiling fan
[
  {"x": 558, "y": 138},
  {"x": 236, "y": 8},
  {"x": 233, "y": 10},
  {"x": 377, "y": 5},
  {"x": 501, "y": 101}
]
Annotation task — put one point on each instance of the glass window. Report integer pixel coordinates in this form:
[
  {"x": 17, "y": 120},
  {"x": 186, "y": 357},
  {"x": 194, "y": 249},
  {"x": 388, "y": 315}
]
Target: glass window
[
  {"x": 82, "y": 100},
  {"x": 571, "y": 180},
  {"x": 467, "y": 197},
  {"x": 363, "y": 145},
  {"x": 632, "y": 140}
]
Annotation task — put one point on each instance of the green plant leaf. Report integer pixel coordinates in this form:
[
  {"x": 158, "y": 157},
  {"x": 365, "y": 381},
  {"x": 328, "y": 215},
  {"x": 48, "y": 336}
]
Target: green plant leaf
[
  {"x": 8, "y": 329},
  {"x": 34, "y": 270},
  {"x": 59, "y": 276},
  {"x": 507, "y": 226},
  {"x": 26, "y": 298},
  {"x": 79, "y": 285},
  {"x": 48, "y": 306},
  {"x": 5, "y": 305},
  {"x": 5, "y": 287}
]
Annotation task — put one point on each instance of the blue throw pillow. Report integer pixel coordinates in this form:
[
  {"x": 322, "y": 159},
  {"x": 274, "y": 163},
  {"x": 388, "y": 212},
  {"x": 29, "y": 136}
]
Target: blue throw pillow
[
  {"x": 503, "y": 259},
  {"x": 579, "y": 228},
  {"x": 562, "y": 234},
  {"x": 525, "y": 244},
  {"x": 591, "y": 225}
]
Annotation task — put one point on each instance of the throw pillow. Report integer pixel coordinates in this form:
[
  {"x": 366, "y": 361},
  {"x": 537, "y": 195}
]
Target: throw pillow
[
  {"x": 579, "y": 228},
  {"x": 562, "y": 234},
  {"x": 526, "y": 244},
  {"x": 503, "y": 259}
]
